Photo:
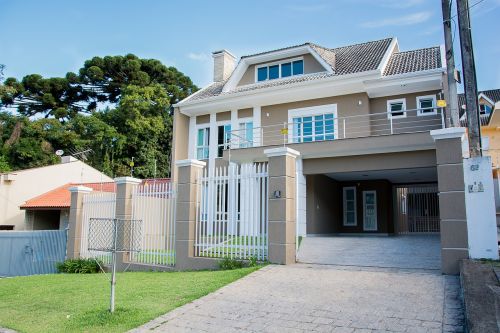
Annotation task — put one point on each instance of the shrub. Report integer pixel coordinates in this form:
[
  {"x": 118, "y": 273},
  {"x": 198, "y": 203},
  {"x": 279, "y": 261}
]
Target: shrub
[
  {"x": 79, "y": 266},
  {"x": 228, "y": 263}
]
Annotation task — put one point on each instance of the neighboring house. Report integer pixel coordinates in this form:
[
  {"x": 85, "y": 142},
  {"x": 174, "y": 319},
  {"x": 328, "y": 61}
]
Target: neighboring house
[
  {"x": 490, "y": 122},
  {"x": 18, "y": 186},
  {"x": 50, "y": 210},
  {"x": 359, "y": 115}
]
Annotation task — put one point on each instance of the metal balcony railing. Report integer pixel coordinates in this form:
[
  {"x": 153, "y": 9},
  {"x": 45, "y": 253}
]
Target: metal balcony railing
[{"x": 317, "y": 128}]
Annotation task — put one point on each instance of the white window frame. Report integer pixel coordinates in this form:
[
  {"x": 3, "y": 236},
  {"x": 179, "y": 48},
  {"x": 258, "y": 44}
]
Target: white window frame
[
  {"x": 311, "y": 112},
  {"x": 245, "y": 121},
  {"x": 433, "y": 111},
  {"x": 484, "y": 105},
  {"x": 344, "y": 206},
  {"x": 223, "y": 123},
  {"x": 196, "y": 147},
  {"x": 391, "y": 101},
  {"x": 279, "y": 63}
]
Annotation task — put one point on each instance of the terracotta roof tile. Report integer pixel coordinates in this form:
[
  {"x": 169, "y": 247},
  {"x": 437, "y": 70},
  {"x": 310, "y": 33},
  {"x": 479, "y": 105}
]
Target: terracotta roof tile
[{"x": 61, "y": 197}]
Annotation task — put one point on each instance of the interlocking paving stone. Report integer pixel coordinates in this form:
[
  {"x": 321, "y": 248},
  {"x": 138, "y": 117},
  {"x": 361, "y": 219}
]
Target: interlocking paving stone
[{"x": 323, "y": 298}]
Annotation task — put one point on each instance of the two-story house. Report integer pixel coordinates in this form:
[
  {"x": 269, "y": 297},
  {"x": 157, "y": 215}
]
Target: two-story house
[{"x": 359, "y": 115}]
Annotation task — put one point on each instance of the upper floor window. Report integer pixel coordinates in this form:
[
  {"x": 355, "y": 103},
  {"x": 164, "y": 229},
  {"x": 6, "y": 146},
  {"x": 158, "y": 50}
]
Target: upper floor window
[
  {"x": 280, "y": 70},
  {"x": 484, "y": 109},
  {"x": 426, "y": 105},
  {"x": 396, "y": 108},
  {"x": 203, "y": 143},
  {"x": 245, "y": 134},
  {"x": 223, "y": 138},
  {"x": 314, "y": 128}
]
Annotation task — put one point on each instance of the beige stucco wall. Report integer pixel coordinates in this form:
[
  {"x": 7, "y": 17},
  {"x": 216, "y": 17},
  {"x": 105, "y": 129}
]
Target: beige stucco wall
[
  {"x": 33, "y": 182},
  {"x": 311, "y": 65},
  {"x": 180, "y": 140},
  {"x": 380, "y": 125},
  {"x": 322, "y": 200},
  {"x": 347, "y": 105}
]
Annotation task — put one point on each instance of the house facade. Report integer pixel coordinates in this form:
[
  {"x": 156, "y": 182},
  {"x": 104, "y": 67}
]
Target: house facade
[
  {"x": 17, "y": 187},
  {"x": 358, "y": 120}
]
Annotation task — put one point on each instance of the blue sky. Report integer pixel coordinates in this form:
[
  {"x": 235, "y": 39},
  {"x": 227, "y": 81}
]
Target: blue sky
[{"x": 53, "y": 37}]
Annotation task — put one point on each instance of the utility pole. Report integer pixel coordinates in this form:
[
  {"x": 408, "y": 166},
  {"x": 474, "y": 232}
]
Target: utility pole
[
  {"x": 453, "y": 116},
  {"x": 470, "y": 83}
]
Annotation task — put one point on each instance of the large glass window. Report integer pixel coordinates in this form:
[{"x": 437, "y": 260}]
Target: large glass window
[
  {"x": 223, "y": 138},
  {"x": 396, "y": 108},
  {"x": 314, "y": 128},
  {"x": 246, "y": 134},
  {"x": 279, "y": 70},
  {"x": 203, "y": 143}
]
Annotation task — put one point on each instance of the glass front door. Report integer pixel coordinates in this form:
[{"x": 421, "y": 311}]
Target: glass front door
[{"x": 370, "y": 210}]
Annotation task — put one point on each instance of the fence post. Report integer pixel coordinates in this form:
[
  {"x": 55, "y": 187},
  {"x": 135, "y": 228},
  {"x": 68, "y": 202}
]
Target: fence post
[
  {"x": 282, "y": 211},
  {"x": 185, "y": 220},
  {"x": 75, "y": 223},
  {"x": 451, "y": 186},
  {"x": 123, "y": 210}
]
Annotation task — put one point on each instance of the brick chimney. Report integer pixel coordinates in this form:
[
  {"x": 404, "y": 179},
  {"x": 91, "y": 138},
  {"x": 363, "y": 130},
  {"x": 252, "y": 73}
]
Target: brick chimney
[{"x": 224, "y": 63}]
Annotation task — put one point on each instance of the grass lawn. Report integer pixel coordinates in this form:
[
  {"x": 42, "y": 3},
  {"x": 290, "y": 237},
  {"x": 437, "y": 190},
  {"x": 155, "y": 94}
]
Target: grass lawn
[{"x": 79, "y": 303}]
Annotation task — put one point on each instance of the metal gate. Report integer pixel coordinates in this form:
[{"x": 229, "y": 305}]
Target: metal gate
[
  {"x": 96, "y": 205},
  {"x": 31, "y": 252},
  {"x": 416, "y": 209},
  {"x": 231, "y": 215},
  {"x": 153, "y": 202}
]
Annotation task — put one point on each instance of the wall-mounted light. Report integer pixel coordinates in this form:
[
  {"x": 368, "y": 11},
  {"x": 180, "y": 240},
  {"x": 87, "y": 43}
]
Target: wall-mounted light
[
  {"x": 277, "y": 194},
  {"x": 360, "y": 102}
]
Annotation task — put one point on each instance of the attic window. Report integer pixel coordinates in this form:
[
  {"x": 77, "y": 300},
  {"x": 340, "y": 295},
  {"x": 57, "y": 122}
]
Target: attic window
[
  {"x": 280, "y": 69},
  {"x": 484, "y": 109}
]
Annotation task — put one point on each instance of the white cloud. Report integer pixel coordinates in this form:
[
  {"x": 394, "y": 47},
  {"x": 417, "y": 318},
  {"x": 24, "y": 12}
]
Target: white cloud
[
  {"x": 198, "y": 56},
  {"x": 410, "y": 19}
]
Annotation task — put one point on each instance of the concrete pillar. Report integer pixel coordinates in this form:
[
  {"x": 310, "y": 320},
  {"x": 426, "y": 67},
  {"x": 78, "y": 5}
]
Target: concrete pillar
[
  {"x": 188, "y": 172},
  {"x": 76, "y": 221},
  {"x": 123, "y": 210},
  {"x": 452, "y": 211},
  {"x": 281, "y": 207}
]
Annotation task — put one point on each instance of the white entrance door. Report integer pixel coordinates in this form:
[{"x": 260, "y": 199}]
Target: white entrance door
[{"x": 370, "y": 210}]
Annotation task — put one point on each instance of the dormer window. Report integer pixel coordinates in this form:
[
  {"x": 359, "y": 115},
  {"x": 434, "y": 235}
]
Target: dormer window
[
  {"x": 484, "y": 109},
  {"x": 281, "y": 69}
]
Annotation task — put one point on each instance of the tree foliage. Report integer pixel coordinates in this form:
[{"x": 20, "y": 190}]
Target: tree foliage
[{"x": 117, "y": 106}]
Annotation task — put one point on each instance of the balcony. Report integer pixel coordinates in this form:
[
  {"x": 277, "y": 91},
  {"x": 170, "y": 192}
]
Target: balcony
[{"x": 340, "y": 136}]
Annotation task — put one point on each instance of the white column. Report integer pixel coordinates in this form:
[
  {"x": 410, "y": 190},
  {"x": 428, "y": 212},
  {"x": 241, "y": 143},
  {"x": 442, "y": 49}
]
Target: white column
[
  {"x": 256, "y": 125},
  {"x": 234, "y": 127},
  {"x": 212, "y": 154},
  {"x": 192, "y": 138},
  {"x": 300, "y": 202}
]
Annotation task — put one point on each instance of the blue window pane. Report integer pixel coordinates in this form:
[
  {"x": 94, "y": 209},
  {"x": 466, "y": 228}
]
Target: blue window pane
[
  {"x": 298, "y": 67},
  {"x": 274, "y": 72},
  {"x": 262, "y": 74},
  {"x": 286, "y": 69},
  {"x": 307, "y": 129},
  {"x": 249, "y": 132},
  {"x": 329, "y": 116},
  {"x": 297, "y": 128},
  {"x": 318, "y": 128}
]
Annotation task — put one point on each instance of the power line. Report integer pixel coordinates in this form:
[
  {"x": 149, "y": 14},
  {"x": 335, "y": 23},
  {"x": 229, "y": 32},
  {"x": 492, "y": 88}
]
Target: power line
[{"x": 471, "y": 6}]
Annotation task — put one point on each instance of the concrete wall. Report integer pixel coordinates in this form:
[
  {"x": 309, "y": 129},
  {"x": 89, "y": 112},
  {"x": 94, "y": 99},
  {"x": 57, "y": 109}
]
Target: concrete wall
[
  {"x": 30, "y": 183},
  {"x": 311, "y": 65},
  {"x": 322, "y": 204}
]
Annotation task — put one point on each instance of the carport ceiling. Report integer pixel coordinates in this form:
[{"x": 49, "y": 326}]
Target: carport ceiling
[{"x": 416, "y": 175}]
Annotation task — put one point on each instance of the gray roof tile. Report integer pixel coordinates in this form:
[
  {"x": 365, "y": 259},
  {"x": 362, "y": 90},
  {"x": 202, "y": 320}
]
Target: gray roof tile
[
  {"x": 414, "y": 61},
  {"x": 344, "y": 60}
]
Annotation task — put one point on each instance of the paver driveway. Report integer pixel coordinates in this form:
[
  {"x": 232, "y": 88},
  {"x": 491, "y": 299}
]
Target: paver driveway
[
  {"x": 323, "y": 298},
  {"x": 407, "y": 251}
]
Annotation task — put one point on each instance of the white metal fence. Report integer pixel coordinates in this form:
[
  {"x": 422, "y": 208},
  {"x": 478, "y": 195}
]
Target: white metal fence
[
  {"x": 96, "y": 205},
  {"x": 231, "y": 216},
  {"x": 153, "y": 202}
]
